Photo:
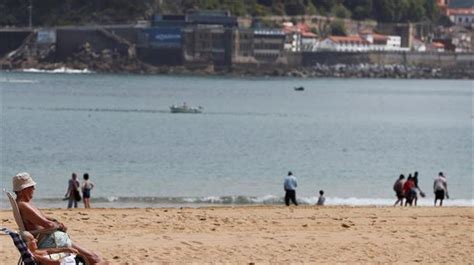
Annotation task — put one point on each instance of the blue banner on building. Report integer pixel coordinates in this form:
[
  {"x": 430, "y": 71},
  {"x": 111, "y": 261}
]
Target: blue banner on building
[{"x": 164, "y": 37}]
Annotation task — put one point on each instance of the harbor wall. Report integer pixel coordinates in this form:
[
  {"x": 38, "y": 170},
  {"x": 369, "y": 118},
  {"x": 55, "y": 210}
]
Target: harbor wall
[{"x": 428, "y": 59}]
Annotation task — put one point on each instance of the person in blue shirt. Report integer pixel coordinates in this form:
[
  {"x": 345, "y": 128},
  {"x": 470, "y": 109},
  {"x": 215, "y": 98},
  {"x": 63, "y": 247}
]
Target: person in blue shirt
[{"x": 290, "y": 189}]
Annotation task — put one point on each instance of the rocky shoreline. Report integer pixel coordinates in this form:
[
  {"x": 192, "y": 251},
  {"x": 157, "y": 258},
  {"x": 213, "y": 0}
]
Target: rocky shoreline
[
  {"x": 317, "y": 71},
  {"x": 30, "y": 56}
]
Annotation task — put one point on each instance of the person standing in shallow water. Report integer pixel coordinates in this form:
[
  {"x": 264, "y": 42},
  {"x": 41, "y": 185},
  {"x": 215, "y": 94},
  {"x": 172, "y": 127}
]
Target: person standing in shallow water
[
  {"x": 440, "y": 189},
  {"x": 422, "y": 194},
  {"x": 321, "y": 198},
  {"x": 87, "y": 186},
  {"x": 398, "y": 188},
  {"x": 72, "y": 191},
  {"x": 289, "y": 186}
]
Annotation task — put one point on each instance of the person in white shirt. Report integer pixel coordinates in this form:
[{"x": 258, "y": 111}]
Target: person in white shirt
[
  {"x": 440, "y": 189},
  {"x": 290, "y": 189}
]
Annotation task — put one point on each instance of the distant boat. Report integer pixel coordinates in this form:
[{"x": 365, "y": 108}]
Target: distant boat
[
  {"x": 185, "y": 109},
  {"x": 299, "y": 88}
]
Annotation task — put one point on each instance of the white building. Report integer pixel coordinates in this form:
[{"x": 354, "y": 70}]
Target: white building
[
  {"x": 366, "y": 41},
  {"x": 309, "y": 42},
  {"x": 344, "y": 44},
  {"x": 379, "y": 42},
  {"x": 418, "y": 45},
  {"x": 462, "y": 17},
  {"x": 293, "y": 41}
]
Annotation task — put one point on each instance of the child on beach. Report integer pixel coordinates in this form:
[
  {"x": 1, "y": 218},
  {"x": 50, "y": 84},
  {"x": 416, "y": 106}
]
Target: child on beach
[
  {"x": 49, "y": 256},
  {"x": 321, "y": 198}
]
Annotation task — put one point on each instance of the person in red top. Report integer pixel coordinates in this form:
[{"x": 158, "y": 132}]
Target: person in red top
[{"x": 408, "y": 189}]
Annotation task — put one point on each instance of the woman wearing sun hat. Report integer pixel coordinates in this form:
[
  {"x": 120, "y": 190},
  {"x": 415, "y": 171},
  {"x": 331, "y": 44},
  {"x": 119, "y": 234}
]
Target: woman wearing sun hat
[{"x": 33, "y": 219}]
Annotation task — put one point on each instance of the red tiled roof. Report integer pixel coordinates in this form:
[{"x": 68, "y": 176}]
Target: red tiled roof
[
  {"x": 303, "y": 27},
  {"x": 376, "y": 36},
  {"x": 300, "y": 27},
  {"x": 379, "y": 37},
  {"x": 345, "y": 39},
  {"x": 460, "y": 11},
  {"x": 437, "y": 44},
  {"x": 309, "y": 35}
]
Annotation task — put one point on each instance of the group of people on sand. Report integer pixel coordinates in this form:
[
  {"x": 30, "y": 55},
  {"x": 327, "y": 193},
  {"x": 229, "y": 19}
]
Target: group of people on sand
[
  {"x": 289, "y": 186},
  {"x": 408, "y": 189},
  {"x": 73, "y": 194},
  {"x": 41, "y": 246}
]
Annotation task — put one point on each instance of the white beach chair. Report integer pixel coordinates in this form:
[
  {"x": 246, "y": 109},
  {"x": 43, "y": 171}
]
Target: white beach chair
[{"x": 19, "y": 220}]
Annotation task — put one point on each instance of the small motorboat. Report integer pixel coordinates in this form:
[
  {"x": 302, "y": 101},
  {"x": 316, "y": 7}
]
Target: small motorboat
[
  {"x": 185, "y": 109},
  {"x": 299, "y": 88}
]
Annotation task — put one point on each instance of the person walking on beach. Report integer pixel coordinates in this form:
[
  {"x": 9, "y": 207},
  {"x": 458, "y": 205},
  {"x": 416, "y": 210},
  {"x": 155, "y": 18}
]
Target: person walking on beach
[
  {"x": 409, "y": 190},
  {"x": 290, "y": 189},
  {"x": 398, "y": 188},
  {"x": 72, "y": 192},
  {"x": 422, "y": 194},
  {"x": 321, "y": 198},
  {"x": 86, "y": 186},
  {"x": 440, "y": 188}
]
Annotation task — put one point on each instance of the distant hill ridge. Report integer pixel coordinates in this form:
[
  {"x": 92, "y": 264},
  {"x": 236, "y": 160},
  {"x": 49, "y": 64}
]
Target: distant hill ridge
[{"x": 79, "y": 12}]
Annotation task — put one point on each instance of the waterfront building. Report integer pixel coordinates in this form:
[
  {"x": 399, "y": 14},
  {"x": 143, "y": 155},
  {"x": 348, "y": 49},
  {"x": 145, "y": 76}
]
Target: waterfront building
[
  {"x": 309, "y": 42},
  {"x": 418, "y": 45},
  {"x": 461, "y": 12},
  {"x": 243, "y": 46},
  {"x": 379, "y": 42},
  {"x": 207, "y": 44},
  {"x": 268, "y": 45}
]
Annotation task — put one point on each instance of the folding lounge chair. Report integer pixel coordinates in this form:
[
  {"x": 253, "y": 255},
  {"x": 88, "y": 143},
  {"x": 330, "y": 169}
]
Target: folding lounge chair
[
  {"x": 26, "y": 257},
  {"x": 36, "y": 233}
]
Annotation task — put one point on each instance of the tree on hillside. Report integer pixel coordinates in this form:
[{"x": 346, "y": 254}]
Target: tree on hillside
[
  {"x": 341, "y": 11},
  {"x": 431, "y": 10},
  {"x": 295, "y": 7},
  {"x": 415, "y": 11},
  {"x": 338, "y": 28},
  {"x": 384, "y": 10},
  {"x": 361, "y": 9},
  {"x": 325, "y": 6}
]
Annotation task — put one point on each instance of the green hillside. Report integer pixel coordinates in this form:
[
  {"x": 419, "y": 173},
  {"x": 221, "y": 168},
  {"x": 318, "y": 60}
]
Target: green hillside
[{"x": 86, "y": 12}]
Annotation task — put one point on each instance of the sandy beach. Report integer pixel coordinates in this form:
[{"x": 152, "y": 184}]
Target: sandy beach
[{"x": 267, "y": 234}]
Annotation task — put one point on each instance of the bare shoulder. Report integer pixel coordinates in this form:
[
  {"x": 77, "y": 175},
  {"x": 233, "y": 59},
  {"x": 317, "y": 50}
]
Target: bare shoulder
[{"x": 27, "y": 208}]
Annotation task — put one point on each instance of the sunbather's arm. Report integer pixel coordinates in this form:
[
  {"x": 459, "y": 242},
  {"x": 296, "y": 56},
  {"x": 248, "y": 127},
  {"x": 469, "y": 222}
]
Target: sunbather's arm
[
  {"x": 45, "y": 260},
  {"x": 61, "y": 250}
]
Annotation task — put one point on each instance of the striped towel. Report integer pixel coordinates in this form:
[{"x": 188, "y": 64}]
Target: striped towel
[{"x": 26, "y": 256}]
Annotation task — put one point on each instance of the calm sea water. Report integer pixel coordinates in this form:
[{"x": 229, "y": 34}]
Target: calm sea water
[{"x": 349, "y": 137}]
